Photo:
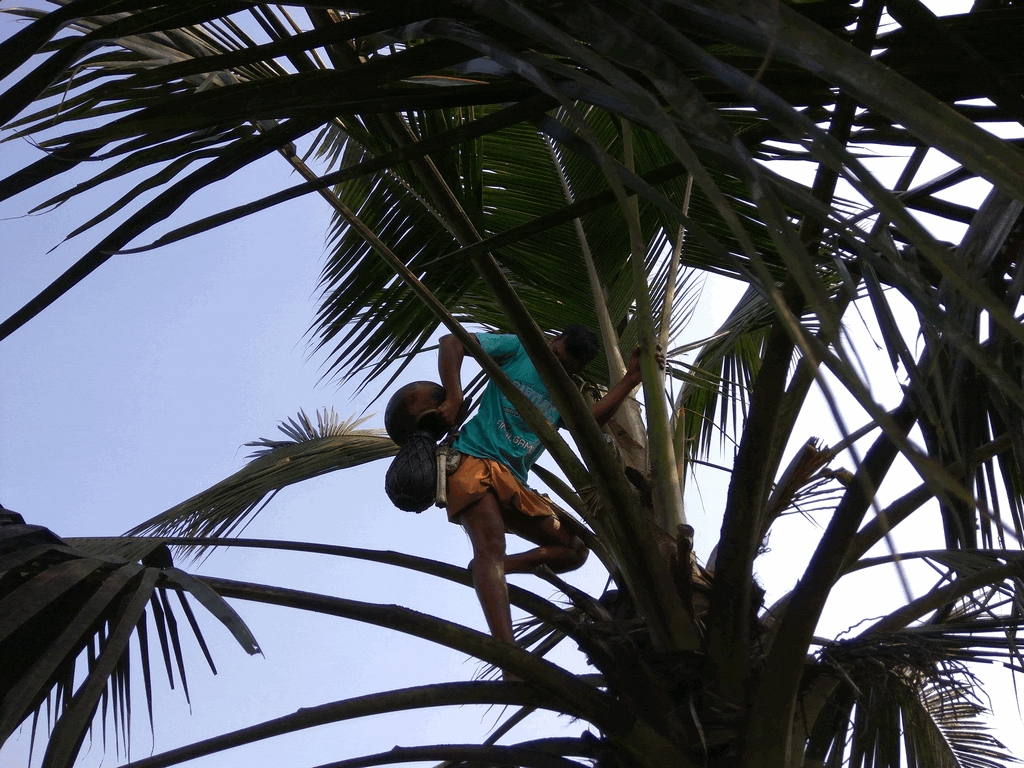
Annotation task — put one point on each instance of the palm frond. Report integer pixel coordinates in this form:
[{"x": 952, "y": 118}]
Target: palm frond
[
  {"x": 68, "y": 617},
  {"x": 990, "y": 602},
  {"x": 807, "y": 484},
  {"x": 543, "y": 610},
  {"x": 539, "y": 753},
  {"x": 902, "y": 696},
  {"x": 452, "y": 694},
  {"x": 569, "y": 693},
  {"x": 451, "y": 125},
  {"x": 356, "y": 285},
  {"x": 310, "y": 451},
  {"x": 715, "y": 396}
]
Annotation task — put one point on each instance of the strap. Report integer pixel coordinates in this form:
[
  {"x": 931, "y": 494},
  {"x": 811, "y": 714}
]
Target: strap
[{"x": 441, "y": 489}]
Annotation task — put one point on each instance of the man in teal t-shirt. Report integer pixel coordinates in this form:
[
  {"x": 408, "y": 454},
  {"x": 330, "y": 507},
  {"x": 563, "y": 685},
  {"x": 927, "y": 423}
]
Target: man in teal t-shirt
[
  {"x": 498, "y": 431},
  {"x": 488, "y": 494}
]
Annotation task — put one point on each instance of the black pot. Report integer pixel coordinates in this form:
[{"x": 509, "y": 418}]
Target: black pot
[
  {"x": 413, "y": 408},
  {"x": 411, "y": 480}
]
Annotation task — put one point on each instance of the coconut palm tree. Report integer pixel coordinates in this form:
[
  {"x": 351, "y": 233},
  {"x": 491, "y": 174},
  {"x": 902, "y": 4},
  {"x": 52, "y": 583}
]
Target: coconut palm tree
[{"x": 518, "y": 166}]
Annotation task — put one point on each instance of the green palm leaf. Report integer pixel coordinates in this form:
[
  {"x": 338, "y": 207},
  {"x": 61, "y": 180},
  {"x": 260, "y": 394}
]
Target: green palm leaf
[
  {"x": 310, "y": 451},
  {"x": 720, "y": 379},
  {"x": 355, "y": 284}
]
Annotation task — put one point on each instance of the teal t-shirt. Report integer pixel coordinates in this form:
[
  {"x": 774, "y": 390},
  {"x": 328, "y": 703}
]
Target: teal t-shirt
[{"x": 497, "y": 431}]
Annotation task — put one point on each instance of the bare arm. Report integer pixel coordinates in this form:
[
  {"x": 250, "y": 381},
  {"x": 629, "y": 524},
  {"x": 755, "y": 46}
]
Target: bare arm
[
  {"x": 606, "y": 407},
  {"x": 449, "y": 367}
]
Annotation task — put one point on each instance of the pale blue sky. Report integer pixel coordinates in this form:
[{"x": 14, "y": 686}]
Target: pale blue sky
[{"x": 138, "y": 389}]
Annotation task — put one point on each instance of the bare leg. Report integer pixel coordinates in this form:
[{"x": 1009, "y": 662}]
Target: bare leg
[
  {"x": 559, "y": 549},
  {"x": 486, "y": 529}
]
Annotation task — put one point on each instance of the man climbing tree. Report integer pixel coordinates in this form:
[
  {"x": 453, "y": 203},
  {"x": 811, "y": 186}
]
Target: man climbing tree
[{"x": 488, "y": 493}]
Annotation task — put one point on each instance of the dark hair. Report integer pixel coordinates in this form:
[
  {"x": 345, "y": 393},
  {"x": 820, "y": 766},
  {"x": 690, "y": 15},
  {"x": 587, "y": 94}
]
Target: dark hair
[{"x": 580, "y": 342}]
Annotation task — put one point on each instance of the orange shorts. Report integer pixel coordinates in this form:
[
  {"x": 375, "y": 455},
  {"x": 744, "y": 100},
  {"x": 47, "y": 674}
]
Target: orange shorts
[{"x": 476, "y": 476}]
